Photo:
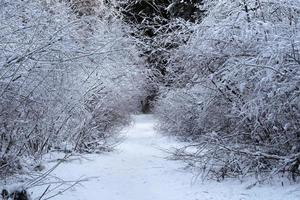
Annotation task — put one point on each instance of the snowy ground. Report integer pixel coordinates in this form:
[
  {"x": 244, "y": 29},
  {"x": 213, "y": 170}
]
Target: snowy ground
[{"x": 137, "y": 170}]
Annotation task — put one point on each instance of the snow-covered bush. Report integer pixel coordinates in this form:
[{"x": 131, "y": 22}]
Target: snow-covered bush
[
  {"x": 236, "y": 87},
  {"x": 67, "y": 82}
]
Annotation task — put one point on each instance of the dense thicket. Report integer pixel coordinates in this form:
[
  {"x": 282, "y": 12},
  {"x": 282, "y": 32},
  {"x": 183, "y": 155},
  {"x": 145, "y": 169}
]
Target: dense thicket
[
  {"x": 227, "y": 82},
  {"x": 68, "y": 79},
  {"x": 235, "y": 93},
  {"x": 160, "y": 26}
]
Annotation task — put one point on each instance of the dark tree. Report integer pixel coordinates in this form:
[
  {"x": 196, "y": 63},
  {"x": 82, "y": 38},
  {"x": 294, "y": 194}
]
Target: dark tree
[{"x": 153, "y": 22}]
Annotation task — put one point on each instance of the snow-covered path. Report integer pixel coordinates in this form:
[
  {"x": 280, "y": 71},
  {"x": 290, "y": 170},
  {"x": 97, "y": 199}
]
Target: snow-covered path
[{"x": 137, "y": 170}]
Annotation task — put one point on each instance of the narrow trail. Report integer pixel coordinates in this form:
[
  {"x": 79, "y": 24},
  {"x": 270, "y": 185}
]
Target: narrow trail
[{"x": 137, "y": 170}]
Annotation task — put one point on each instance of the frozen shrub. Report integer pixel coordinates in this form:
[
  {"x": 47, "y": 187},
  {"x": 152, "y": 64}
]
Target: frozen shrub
[
  {"x": 62, "y": 77},
  {"x": 236, "y": 90}
]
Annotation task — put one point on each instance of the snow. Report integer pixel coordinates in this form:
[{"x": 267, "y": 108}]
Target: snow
[{"x": 138, "y": 170}]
